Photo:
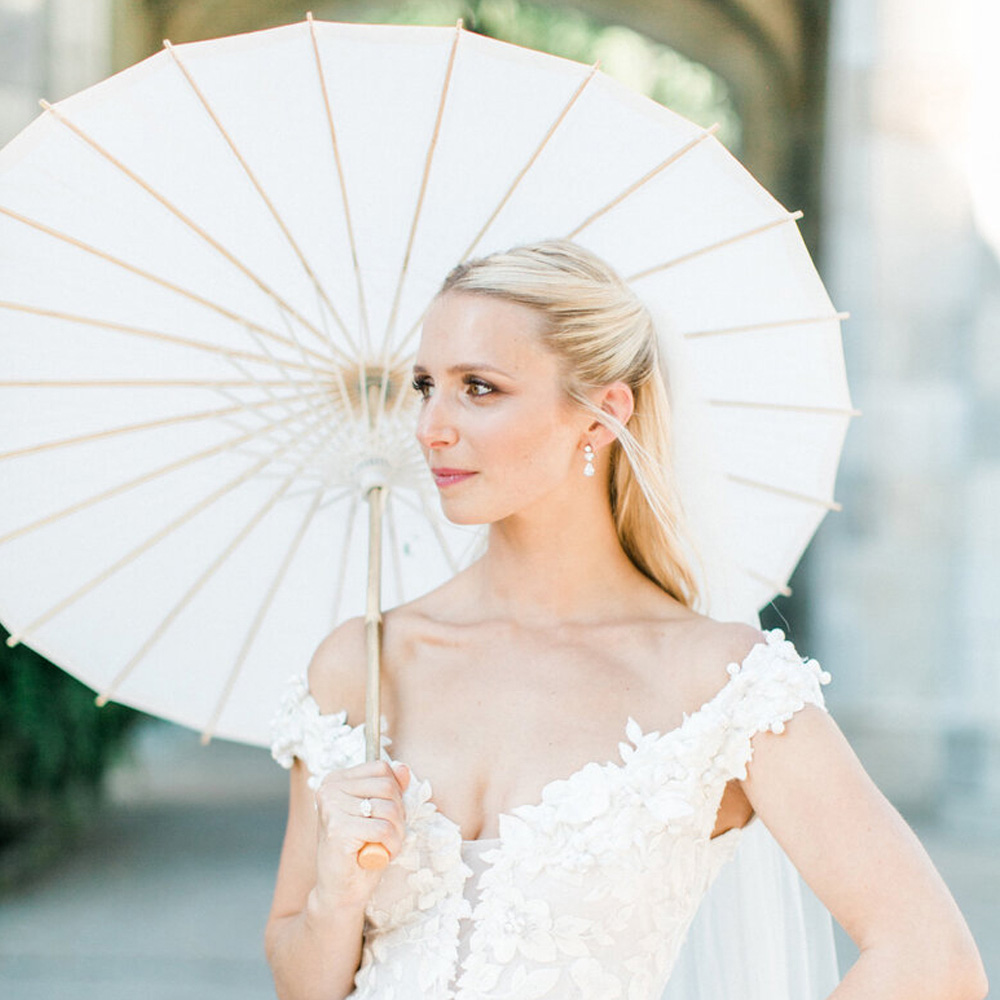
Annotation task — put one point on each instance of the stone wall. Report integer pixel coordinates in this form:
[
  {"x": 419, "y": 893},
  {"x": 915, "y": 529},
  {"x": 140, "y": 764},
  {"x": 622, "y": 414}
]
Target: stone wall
[
  {"x": 51, "y": 49},
  {"x": 909, "y": 619}
]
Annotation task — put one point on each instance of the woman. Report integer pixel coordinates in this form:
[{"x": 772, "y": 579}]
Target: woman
[{"x": 522, "y": 865}]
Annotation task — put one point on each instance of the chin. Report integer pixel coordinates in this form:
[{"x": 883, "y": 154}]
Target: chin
[
  {"x": 471, "y": 509},
  {"x": 459, "y": 513},
  {"x": 466, "y": 511}
]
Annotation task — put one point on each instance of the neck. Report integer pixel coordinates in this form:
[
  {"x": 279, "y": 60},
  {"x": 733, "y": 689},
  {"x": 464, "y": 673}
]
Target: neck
[{"x": 559, "y": 565}]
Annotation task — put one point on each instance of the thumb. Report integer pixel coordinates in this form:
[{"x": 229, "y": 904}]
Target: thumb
[{"x": 402, "y": 775}]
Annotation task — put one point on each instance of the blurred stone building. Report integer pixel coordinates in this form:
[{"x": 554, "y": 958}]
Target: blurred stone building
[
  {"x": 874, "y": 117},
  {"x": 907, "y": 578}
]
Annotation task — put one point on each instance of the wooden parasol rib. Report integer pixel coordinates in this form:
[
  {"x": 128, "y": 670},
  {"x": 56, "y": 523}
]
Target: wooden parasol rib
[
  {"x": 769, "y": 325},
  {"x": 147, "y": 544},
  {"x": 255, "y": 626},
  {"x": 231, "y": 445},
  {"x": 132, "y": 428},
  {"x": 168, "y": 338},
  {"x": 199, "y": 231},
  {"x": 245, "y": 323},
  {"x": 645, "y": 179},
  {"x": 213, "y": 567},
  {"x": 258, "y": 187},
  {"x": 362, "y": 304},
  {"x": 790, "y": 217},
  {"x": 532, "y": 159}
]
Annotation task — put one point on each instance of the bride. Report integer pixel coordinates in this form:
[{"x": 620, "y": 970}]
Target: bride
[{"x": 523, "y": 865}]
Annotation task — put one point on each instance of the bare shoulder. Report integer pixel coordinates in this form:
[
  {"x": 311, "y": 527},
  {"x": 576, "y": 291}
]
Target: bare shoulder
[
  {"x": 726, "y": 642},
  {"x": 337, "y": 670},
  {"x": 710, "y": 646}
]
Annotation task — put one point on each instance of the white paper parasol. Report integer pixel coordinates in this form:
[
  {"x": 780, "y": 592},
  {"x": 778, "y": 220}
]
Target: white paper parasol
[{"x": 213, "y": 268}]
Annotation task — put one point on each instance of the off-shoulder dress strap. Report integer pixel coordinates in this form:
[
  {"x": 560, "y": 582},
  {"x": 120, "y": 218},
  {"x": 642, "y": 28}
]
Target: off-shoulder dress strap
[
  {"x": 764, "y": 691},
  {"x": 323, "y": 742}
]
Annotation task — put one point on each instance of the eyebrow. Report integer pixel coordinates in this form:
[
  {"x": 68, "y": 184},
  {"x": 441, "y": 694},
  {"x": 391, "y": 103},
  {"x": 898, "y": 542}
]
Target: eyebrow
[{"x": 463, "y": 369}]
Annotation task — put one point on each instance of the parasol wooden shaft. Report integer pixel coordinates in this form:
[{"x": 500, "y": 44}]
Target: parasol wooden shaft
[
  {"x": 373, "y": 627},
  {"x": 373, "y": 856}
]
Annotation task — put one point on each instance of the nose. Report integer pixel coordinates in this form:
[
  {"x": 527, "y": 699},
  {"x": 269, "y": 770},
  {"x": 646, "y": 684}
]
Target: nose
[{"x": 435, "y": 426}]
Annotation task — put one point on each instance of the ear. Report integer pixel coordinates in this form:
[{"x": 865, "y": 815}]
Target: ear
[{"x": 617, "y": 400}]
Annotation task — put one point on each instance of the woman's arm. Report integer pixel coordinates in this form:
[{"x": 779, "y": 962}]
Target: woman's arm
[
  {"x": 313, "y": 945},
  {"x": 864, "y": 863},
  {"x": 313, "y": 938}
]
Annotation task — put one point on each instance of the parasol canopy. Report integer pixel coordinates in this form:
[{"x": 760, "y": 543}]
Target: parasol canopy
[{"x": 213, "y": 271}]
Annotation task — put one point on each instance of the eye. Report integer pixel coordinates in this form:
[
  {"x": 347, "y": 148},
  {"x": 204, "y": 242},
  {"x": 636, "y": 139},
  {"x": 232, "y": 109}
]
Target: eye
[
  {"x": 478, "y": 387},
  {"x": 475, "y": 386}
]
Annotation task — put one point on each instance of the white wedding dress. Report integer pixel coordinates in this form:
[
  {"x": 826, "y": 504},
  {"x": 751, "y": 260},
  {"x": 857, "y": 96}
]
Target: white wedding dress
[{"x": 591, "y": 892}]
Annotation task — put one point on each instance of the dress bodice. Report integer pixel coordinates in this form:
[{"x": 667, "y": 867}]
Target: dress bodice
[{"x": 588, "y": 892}]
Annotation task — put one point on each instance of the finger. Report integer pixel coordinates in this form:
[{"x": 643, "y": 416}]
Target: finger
[
  {"x": 337, "y": 807},
  {"x": 393, "y": 770},
  {"x": 371, "y": 779},
  {"x": 357, "y": 832},
  {"x": 368, "y": 808},
  {"x": 369, "y": 769},
  {"x": 370, "y": 788}
]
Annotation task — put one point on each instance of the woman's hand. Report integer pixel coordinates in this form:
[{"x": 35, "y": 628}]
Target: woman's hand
[{"x": 343, "y": 828}]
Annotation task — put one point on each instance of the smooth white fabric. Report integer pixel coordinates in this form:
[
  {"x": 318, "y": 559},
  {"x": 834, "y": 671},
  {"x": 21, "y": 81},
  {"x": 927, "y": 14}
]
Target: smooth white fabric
[
  {"x": 759, "y": 934},
  {"x": 591, "y": 891}
]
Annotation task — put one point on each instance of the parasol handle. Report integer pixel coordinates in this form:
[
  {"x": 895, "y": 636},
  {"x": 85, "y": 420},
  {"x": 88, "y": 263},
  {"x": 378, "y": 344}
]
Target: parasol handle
[{"x": 373, "y": 857}]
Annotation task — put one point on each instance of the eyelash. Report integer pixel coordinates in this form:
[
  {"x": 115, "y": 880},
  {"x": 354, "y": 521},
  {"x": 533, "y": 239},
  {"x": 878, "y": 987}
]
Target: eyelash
[{"x": 422, "y": 384}]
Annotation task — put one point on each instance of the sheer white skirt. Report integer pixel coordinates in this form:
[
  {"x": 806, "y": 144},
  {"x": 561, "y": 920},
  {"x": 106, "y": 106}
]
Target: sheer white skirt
[{"x": 759, "y": 934}]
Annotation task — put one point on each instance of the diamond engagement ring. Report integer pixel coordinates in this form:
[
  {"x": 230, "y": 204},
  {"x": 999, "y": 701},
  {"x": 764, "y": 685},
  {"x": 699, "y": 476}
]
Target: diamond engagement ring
[{"x": 366, "y": 808}]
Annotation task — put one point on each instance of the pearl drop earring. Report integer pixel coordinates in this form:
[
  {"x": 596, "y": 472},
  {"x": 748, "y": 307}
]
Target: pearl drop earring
[{"x": 588, "y": 454}]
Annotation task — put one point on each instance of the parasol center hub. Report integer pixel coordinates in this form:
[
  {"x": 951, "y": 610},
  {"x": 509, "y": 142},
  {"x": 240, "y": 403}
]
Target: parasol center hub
[
  {"x": 372, "y": 471},
  {"x": 370, "y": 390}
]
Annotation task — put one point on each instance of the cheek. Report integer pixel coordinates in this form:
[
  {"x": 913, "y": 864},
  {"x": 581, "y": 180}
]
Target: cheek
[{"x": 533, "y": 443}]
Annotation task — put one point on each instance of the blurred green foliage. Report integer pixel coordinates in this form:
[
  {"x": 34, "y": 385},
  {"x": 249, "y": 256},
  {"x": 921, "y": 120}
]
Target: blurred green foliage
[
  {"x": 55, "y": 746},
  {"x": 651, "y": 68}
]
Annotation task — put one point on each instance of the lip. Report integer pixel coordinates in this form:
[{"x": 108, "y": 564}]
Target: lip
[{"x": 449, "y": 477}]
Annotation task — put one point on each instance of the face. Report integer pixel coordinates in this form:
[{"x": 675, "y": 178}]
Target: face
[{"x": 495, "y": 426}]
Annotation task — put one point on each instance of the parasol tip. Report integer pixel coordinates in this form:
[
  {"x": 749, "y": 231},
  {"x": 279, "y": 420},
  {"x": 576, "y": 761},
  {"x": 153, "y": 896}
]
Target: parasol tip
[
  {"x": 101, "y": 700},
  {"x": 13, "y": 640},
  {"x": 373, "y": 857}
]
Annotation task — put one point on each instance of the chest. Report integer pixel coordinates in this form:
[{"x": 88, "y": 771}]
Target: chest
[{"x": 492, "y": 729}]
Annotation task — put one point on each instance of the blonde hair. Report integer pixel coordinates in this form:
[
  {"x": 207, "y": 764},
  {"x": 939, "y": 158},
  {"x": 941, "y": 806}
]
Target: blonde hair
[{"x": 602, "y": 333}]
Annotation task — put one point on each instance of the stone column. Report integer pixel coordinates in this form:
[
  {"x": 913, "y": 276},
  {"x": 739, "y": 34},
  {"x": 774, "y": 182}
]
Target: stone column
[
  {"x": 909, "y": 617},
  {"x": 22, "y": 62},
  {"x": 50, "y": 49}
]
